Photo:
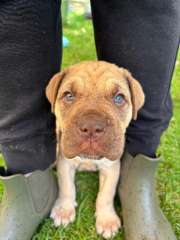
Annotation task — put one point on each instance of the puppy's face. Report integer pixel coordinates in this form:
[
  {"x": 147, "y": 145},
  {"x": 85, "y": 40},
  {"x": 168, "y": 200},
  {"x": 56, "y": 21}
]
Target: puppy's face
[{"x": 93, "y": 103}]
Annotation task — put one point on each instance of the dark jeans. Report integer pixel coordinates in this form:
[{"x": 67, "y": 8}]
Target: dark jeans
[{"x": 142, "y": 36}]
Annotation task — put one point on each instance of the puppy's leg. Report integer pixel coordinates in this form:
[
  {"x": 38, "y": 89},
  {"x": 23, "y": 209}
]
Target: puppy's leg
[
  {"x": 107, "y": 221},
  {"x": 63, "y": 211}
]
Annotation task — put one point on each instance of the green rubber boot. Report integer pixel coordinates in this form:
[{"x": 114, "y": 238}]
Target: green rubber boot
[
  {"x": 26, "y": 201},
  {"x": 142, "y": 217}
]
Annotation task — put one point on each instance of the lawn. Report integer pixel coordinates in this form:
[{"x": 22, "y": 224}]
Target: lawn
[{"x": 82, "y": 47}]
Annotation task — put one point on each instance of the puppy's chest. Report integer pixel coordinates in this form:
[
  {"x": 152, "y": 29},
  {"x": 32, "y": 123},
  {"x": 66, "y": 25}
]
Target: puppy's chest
[{"x": 90, "y": 164}]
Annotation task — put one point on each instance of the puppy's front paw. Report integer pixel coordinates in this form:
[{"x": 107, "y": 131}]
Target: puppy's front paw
[
  {"x": 107, "y": 224},
  {"x": 63, "y": 214}
]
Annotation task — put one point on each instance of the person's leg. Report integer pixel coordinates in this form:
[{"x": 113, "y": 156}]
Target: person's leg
[
  {"x": 30, "y": 50},
  {"x": 143, "y": 37},
  {"x": 30, "y": 53}
]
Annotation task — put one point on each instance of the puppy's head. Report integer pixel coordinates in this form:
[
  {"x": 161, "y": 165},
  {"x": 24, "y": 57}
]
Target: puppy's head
[{"x": 94, "y": 103}]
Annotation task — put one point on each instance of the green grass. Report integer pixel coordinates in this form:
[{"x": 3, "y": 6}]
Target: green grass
[{"x": 82, "y": 47}]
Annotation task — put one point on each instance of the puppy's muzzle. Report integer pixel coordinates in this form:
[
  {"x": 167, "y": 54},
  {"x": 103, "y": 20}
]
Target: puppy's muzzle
[{"x": 92, "y": 126}]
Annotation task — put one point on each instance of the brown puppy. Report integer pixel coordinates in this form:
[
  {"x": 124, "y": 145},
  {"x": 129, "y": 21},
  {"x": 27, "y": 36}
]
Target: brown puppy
[{"x": 94, "y": 103}]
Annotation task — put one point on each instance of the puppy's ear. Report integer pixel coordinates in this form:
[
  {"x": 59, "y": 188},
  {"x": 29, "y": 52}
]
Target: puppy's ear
[
  {"x": 53, "y": 87},
  {"x": 137, "y": 94}
]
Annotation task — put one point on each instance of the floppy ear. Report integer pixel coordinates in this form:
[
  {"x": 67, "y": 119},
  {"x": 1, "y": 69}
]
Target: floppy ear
[
  {"x": 137, "y": 94},
  {"x": 53, "y": 87}
]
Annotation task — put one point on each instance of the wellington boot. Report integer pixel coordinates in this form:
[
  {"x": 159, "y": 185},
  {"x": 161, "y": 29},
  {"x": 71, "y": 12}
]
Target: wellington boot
[
  {"x": 27, "y": 199},
  {"x": 142, "y": 216}
]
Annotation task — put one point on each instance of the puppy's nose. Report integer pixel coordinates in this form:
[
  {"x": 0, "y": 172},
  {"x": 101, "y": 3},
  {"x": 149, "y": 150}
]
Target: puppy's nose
[
  {"x": 87, "y": 129},
  {"x": 91, "y": 126}
]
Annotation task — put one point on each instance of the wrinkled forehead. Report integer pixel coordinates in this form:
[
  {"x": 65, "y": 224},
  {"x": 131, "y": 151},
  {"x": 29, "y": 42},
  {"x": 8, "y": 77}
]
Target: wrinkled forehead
[{"x": 104, "y": 81}]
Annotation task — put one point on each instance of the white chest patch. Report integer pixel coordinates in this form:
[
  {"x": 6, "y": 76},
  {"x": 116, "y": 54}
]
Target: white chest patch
[{"x": 84, "y": 164}]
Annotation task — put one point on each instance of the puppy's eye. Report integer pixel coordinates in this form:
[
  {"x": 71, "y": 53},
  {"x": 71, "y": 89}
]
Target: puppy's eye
[
  {"x": 69, "y": 97},
  {"x": 119, "y": 99}
]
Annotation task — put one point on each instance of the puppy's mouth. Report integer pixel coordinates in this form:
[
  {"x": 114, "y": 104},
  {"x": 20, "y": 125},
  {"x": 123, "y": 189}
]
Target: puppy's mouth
[{"x": 90, "y": 149}]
